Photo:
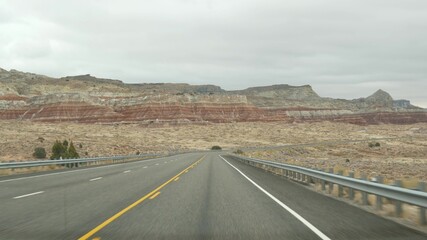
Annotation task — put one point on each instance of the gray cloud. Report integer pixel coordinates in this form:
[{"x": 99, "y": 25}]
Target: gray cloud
[{"x": 343, "y": 48}]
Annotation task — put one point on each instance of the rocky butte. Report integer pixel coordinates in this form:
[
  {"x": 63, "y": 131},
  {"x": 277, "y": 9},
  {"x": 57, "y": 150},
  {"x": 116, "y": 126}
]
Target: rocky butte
[{"x": 86, "y": 99}]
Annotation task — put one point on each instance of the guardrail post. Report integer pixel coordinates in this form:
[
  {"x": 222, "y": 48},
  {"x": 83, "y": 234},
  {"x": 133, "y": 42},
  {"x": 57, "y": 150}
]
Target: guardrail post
[
  {"x": 350, "y": 190},
  {"x": 312, "y": 180},
  {"x": 379, "y": 198},
  {"x": 364, "y": 194},
  {"x": 398, "y": 204},
  {"x": 340, "y": 188},
  {"x": 331, "y": 185},
  {"x": 423, "y": 221},
  {"x": 323, "y": 183}
]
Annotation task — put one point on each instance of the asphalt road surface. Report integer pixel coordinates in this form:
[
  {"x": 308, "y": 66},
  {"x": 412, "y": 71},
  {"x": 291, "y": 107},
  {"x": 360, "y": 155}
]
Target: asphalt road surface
[{"x": 189, "y": 196}]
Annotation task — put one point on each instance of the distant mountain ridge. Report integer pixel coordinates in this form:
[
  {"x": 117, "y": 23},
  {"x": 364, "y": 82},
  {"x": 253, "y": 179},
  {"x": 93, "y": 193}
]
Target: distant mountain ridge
[{"x": 84, "y": 98}]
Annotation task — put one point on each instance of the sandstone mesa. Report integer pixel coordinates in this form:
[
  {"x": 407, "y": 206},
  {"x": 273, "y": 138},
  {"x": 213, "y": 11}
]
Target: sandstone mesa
[{"x": 86, "y": 99}]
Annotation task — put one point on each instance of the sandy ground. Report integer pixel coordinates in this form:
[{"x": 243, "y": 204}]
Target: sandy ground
[
  {"x": 405, "y": 157},
  {"x": 402, "y": 158}
]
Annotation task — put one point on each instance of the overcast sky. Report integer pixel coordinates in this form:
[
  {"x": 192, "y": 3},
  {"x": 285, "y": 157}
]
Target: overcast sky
[{"x": 344, "y": 49}]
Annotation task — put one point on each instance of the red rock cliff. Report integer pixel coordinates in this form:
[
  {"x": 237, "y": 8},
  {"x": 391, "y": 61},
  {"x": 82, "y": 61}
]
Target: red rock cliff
[{"x": 86, "y": 99}]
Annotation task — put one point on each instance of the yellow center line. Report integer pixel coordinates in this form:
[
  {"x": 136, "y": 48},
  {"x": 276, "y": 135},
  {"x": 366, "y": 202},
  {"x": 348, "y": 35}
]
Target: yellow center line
[
  {"x": 176, "y": 179},
  {"x": 154, "y": 196},
  {"x": 117, "y": 215}
]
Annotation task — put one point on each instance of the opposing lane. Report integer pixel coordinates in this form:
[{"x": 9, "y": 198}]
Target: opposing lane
[
  {"x": 47, "y": 180},
  {"x": 71, "y": 203}
]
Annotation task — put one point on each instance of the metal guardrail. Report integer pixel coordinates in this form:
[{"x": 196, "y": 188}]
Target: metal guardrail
[
  {"x": 413, "y": 197},
  {"x": 40, "y": 163}
]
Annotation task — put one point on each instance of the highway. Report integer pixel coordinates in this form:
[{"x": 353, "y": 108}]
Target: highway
[{"x": 188, "y": 196}]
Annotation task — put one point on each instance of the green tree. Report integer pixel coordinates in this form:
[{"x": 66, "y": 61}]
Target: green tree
[
  {"x": 39, "y": 152},
  {"x": 216, "y": 147},
  {"x": 65, "y": 143},
  {"x": 58, "y": 150},
  {"x": 72, "y": 153}
]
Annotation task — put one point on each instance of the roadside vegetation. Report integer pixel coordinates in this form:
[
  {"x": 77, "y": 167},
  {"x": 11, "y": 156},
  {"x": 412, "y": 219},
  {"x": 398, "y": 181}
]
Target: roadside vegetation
[
  {"x": 377, "y": 144},
  {"x": 39, "y": 153},
  {"x": 63, "y": 150},
  {"x": 238, "y": 151}
]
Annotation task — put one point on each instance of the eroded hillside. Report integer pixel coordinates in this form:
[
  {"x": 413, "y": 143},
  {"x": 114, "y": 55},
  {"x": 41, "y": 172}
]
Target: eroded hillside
[{"x": 86, "y": 99}]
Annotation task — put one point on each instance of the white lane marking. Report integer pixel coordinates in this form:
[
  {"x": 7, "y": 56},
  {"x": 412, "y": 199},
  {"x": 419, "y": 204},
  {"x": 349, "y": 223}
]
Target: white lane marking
[
  {"x": 27, "y": 195},
  {"x": 295, "y": 214},
  {"x": 166, "y": 161},
  {"x": 127, "y": 171},
  {"x": 96, "y": 179},
  {"x": 145, "y": 167},
  {"x": 157, "y": 164},
  {"x": 79, "y": 170}
]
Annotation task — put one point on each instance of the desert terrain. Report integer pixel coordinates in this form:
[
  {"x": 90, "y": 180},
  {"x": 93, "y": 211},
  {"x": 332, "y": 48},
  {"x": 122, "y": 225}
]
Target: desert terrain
[{"x": 401, "y": 154}]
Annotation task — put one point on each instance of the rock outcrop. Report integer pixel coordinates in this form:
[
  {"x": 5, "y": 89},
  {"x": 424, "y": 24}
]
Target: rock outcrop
[{"x": 86, "y": 99}]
